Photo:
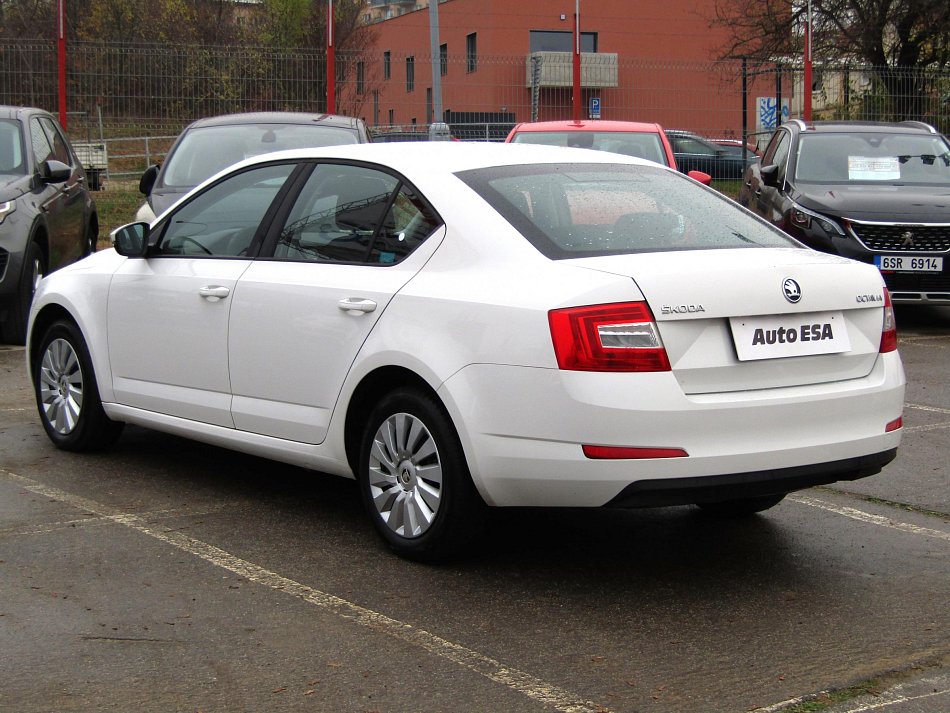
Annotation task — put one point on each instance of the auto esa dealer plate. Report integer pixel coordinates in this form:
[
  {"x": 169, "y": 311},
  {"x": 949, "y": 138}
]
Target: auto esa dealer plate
[{"x": 789, "y": 335}]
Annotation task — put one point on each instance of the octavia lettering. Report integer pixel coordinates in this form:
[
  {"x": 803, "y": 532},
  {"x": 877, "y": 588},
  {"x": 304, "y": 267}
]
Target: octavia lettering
[{"x": 803, "y": 333}]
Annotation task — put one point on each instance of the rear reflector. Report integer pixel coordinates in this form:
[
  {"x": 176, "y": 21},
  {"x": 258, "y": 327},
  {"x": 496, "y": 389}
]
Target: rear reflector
[
  {"x": 612, "y": 337},
  {"x": 624, "y": 453},
  {"x": 894, "y": 425},
  {"x": 889, "y": 328}
]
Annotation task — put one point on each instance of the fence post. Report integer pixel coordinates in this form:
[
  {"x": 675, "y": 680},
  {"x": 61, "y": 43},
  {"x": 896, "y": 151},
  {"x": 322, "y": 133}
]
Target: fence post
[
  {"x": 745, "y": 107},
  {"x": 778, "y": 95}
]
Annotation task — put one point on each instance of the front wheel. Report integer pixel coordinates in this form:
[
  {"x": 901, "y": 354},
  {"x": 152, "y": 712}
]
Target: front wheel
[
  {"x": 66, "y": 393},
  {"x": 414, "y": 479},
  {"x": 742, "y": 507}
]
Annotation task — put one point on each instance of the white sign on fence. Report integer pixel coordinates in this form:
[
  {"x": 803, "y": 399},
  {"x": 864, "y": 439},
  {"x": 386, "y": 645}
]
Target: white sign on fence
[{"x": 765, "y": 113}]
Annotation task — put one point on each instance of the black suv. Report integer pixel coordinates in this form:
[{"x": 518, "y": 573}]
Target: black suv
[
  {"x": 47, "y": 216},
  {"x": 875, "y": 192}
]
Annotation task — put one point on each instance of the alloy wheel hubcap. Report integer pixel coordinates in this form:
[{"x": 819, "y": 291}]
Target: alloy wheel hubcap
[
  {"x": 405, "y": 474},
  {"x": 61, "y": 386}
]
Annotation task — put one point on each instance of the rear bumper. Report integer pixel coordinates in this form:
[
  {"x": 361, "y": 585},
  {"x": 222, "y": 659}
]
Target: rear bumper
[
  {"x": 523, "y": 430},
  {"x": 718, "y": 488}
]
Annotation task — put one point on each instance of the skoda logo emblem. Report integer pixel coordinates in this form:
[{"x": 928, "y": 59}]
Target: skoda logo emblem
[{"x": 793, "y": 293}]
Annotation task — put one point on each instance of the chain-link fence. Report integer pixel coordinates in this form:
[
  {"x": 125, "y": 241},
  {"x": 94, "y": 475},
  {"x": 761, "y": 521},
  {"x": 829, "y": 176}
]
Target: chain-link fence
[{"x": 134, "y": 98}]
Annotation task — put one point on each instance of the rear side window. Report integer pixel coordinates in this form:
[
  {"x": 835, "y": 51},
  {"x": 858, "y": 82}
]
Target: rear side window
[
  {"x": 354, "y": 214},
  {"x": 582, "y": 210}
]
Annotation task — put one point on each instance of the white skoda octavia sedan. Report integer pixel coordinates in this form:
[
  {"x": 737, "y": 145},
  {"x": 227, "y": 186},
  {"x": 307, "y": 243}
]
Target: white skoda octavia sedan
[{"x": 467, "y": 325}]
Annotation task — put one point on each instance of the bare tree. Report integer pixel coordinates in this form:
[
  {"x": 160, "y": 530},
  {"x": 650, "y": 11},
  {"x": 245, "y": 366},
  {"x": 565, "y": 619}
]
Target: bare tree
[
  {"x": 885, "y": 33},
  {"x": 896, "y": 38}
]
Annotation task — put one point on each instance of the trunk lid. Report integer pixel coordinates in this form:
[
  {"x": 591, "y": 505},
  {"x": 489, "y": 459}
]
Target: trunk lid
[{"x": 728, "y": 325}]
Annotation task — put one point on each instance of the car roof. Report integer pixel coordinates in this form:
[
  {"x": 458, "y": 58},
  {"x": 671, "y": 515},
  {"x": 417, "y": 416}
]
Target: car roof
[
  {"x": 410, "y": 157},
  {"x": 596, "y": 125},
  {"x": 17, "y": 112},
  {"x": 870, "y": 127},
  {"x": 276, "y": 117}
]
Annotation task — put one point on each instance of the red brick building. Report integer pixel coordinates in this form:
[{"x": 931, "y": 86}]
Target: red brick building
[{"x": 501, "y": 61}]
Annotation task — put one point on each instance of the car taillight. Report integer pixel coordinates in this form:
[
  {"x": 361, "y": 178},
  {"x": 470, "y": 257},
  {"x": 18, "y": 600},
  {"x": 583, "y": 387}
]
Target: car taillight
[
  {"x": 613, "y": 337},
  {"x": 889, "y": 328}
]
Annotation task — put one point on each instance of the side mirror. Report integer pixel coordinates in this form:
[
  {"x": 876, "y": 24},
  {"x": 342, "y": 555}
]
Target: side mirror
[
  {"x": 769, "y": 175},
  {"x": 700, "y": 176},
  {"x": 147, "y": 182},
  {"x": 130, "y": 240},
  {"x": 54, "y": 171}
]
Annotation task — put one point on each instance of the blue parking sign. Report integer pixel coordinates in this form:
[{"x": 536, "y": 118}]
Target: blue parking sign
[{"x": 595, "y": 107}]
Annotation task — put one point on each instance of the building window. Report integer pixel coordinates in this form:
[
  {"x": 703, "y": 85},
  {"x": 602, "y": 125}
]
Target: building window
[
  {"x": 387, "y": 64},
  {"x": 471, "y": 52},
  {"x": 410, "y": 73},
  {"x": 443, "y": 59},
  {"x": 557, "y": 41},
  {"x": 360, "y": 77},
  {"x": 392, "y": 117},
  {"x": 429, "y": 105}
]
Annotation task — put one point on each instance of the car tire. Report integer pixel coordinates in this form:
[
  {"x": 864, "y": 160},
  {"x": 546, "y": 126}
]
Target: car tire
[
  {"x": 414, "y": 479},
  {"x": 67, "y": 395},
  {"x": 741, "y": 507},
  {"x": 34, "y": 267}
]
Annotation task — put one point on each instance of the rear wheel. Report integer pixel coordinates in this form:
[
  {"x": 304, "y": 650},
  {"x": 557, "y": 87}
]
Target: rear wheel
[
  {"x": 66, "y": 393},
  {"x": 742, "y": 507},
  {"x": 414, "y": 478},
  {"x": 34, "y": 266}
]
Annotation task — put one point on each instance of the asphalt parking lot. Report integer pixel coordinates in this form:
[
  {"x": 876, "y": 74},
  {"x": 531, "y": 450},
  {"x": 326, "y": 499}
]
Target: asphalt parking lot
[{"x": 167, "y": 575}]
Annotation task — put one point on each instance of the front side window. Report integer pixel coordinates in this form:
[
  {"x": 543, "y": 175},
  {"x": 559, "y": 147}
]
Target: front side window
[
  {"x": 223, "y": 220},
  {"x": 12, "y": 159},
  {"x": 685, "y": 144},
  {"x": 354, "y": 214},
  {"x": 42, "y": 148},
  {"x": 57, "y": 141},
  {"x": 873, "y": 158},
  {"x": 582, "y": 210}
]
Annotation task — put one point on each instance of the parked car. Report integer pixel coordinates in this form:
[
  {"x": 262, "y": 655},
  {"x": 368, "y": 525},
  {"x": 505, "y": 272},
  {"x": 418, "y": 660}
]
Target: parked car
[
  {"x": 210, "y": 145},
  {"x": 696, "y": 153},
  {"x": 459, "y": 325},
  {"x": 735, "y": 146},
  {"x": 875, "y": 192},
  {"x": 47, "y": 216},
  {"x": 629, "y": 138}
]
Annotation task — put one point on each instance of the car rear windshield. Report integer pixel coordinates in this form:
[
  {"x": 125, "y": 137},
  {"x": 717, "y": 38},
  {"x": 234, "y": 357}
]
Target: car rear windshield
[
  {"x": 873, "y": 158},
  {"x": 640, "y": 144},
  {"x": 12, "y": 158},
  {"x": 583, "y": 210},
  {"x": 204, "y": 151}
]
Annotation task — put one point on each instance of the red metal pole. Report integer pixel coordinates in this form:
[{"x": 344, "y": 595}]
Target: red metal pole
[
  {"x": 577, "y": 61},
  {"x": 331, "y": 62},
  {"x": 61, "y": 57}
]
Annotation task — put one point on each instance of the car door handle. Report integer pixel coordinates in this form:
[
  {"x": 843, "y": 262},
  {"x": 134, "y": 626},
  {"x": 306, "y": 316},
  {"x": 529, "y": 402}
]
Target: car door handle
[
  {"x": 214, "y": 292},
  {"x": 356, "y": 304}
]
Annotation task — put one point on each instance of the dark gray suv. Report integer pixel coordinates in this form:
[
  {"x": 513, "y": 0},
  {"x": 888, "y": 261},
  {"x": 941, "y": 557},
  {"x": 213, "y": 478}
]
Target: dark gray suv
[
  {"x": 875, "y": 192},
  {"x": 47, "y": 217}
]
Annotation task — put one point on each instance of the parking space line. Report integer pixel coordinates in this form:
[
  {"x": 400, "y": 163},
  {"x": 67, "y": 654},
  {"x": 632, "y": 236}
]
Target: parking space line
[
  {"x": 84, "y": 522},
  {"x": 867, "y": 517},
  {"x": 534, "y": 688},
  {"x": 932, "y": 409}
]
